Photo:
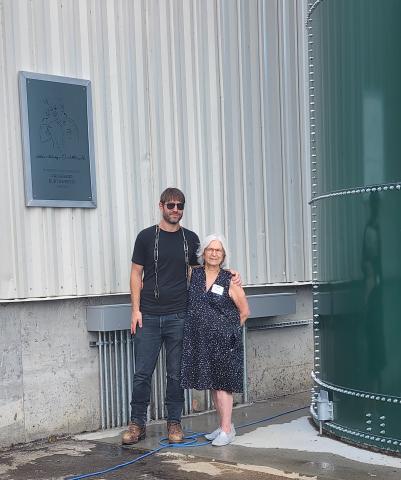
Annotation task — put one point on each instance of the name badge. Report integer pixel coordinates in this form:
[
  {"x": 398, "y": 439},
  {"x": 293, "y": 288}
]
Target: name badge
[{"x": 217, "y": 289}]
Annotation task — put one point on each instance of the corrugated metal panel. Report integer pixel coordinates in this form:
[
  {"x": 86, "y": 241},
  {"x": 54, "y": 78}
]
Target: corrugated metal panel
[{"x": 207, "y": 95}]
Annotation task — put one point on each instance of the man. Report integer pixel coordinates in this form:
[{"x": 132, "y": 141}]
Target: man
[{"x": 159, "y": 281}]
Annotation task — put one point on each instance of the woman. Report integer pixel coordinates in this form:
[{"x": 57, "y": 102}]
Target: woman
[{"x": 213, "y": 352}]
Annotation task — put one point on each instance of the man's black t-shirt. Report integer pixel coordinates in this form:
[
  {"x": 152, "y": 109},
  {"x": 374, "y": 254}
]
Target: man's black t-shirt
[{"x": 171, "y": 269}]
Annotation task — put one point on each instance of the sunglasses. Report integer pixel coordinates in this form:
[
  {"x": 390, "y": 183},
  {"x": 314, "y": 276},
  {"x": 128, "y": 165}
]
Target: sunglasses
[{"x": 171, "y": 205}]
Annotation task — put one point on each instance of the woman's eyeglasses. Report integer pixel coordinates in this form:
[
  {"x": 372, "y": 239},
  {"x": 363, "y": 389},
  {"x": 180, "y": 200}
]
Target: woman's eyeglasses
[
  {"x": 171, "y": 205},
  {"x": 217, "y": 251}
]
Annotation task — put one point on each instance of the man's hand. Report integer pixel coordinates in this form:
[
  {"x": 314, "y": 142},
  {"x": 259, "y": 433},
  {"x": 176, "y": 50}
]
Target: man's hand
[
  {"x": 136, "y": 320},
  {"x": 236, "y": 278}
]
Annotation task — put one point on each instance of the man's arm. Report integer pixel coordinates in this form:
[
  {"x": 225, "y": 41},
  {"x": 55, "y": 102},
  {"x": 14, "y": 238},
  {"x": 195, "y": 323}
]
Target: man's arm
[
  {"x": 136, "y": 286},
  {"x": 193, "y": 246},
  {"x": 236, "y": 278}
]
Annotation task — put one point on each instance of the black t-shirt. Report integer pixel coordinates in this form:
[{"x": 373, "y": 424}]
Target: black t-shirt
[{"x": 171, "y": 269}]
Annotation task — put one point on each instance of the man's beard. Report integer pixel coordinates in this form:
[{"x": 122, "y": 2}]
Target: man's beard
[{"x": 172, "y": 220}]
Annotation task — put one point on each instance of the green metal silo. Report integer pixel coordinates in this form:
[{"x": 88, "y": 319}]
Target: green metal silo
[{"x": 355, "y": 113}]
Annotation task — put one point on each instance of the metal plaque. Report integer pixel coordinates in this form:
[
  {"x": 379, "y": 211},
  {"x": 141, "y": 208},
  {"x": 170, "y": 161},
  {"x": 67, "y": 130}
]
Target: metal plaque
[{"x": 57, "y": 135}]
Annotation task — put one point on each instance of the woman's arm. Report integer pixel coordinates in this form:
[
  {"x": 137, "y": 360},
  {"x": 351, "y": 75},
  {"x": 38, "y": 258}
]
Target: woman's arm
[
  {"x": 239, "y": 298},
  {"x": 191, "y": 269}
]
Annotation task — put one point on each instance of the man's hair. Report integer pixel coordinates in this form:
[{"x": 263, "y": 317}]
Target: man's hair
[{"x": 172, "y": 193}]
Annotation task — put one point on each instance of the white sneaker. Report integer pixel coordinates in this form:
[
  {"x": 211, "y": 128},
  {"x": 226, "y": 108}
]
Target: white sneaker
[
  {"x": 223, "y": 439},
  {"x": 215, "y": 433}
]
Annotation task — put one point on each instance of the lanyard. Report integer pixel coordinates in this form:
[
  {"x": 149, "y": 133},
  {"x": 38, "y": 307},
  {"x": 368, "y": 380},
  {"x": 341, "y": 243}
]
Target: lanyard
[{"x": 156, "y": 260}]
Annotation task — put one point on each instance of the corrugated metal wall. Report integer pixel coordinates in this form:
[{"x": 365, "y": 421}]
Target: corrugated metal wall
[{"x": 203, "y": 94}]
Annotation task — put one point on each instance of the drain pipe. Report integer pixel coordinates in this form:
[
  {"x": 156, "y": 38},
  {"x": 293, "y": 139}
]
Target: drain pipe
[{"x": 324, "y": 409}]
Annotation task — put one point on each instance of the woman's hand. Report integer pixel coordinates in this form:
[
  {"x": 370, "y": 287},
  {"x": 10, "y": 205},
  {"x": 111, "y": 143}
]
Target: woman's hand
[{"x": 236, "y": 278}]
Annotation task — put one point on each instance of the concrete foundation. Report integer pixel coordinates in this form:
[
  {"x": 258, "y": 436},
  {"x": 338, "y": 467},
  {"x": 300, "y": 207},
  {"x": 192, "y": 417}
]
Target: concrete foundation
[
  {"x": 49, "y": 374},
  {"x": 280, "y": 358}
]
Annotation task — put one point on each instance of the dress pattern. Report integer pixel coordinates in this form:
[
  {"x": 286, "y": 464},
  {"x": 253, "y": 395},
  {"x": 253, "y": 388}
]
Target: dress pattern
[{"x": 213, "y": 353}]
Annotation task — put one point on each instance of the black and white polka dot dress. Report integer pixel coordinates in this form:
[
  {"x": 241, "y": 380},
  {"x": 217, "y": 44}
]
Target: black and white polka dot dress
[{"x": 213, "y": 354}]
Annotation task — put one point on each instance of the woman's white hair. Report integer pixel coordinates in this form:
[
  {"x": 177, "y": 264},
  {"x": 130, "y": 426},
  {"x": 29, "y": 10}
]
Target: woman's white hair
[{"x": 207, "y": 241}]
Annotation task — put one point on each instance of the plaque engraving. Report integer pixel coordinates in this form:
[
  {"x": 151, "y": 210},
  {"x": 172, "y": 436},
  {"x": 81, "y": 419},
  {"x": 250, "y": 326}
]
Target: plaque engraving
[{"x": 57, "y": 135}]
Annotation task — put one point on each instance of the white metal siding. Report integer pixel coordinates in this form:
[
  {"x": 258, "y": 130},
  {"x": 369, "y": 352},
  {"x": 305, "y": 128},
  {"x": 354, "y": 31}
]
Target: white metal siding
[{"x": 206, "y": 95}]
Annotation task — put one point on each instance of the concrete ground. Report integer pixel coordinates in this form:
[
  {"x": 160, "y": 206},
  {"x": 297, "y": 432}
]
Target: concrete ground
[{"x": 285, "y": 447}]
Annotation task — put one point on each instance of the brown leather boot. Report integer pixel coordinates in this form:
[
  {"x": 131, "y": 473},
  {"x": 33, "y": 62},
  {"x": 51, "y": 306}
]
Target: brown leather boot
[
  {"x": 175, "y": 433},
  {"x": 134, "y": 434}
]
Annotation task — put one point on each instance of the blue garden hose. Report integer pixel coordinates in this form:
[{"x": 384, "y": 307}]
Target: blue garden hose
[{"x": 190, "y": 441}]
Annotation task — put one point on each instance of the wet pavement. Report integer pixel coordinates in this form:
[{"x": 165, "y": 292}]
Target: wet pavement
[{"x": 284, "y": 447}]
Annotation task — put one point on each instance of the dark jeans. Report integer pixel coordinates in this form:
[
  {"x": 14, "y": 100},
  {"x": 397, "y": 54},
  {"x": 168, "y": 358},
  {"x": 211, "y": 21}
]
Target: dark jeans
[{"x": 148, "y": 340}]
